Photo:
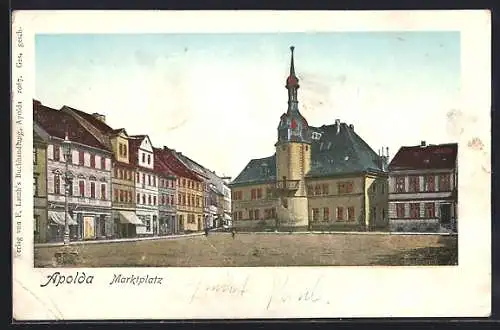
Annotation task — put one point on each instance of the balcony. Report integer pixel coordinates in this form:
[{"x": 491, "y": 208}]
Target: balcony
[{"x": 287, "y": 185}]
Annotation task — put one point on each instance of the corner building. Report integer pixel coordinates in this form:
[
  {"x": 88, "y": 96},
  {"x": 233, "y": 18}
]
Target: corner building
[{"x": 320, "y": 178}]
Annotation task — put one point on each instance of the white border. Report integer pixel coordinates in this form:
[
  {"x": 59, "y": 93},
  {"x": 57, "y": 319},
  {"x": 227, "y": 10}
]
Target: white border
[{"x": 350, "y": 291}]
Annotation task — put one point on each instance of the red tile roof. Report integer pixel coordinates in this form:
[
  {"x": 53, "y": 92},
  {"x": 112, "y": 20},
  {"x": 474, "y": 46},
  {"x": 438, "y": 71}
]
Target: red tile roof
[
  {"x": 160, "y": 163},
  {"x": 101, "y": 126},
  {"x": 175, "y": 165},
  {"x": 56, "y": 123},
  {"x": 440, "y": 156}
]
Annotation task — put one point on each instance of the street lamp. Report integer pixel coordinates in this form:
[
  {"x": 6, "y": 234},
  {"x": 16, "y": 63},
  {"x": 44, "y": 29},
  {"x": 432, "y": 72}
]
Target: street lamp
[{"x": 66, "y": 148}]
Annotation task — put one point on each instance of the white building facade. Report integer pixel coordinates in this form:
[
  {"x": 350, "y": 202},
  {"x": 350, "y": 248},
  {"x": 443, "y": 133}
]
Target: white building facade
[{"x": 146, "y": 187}]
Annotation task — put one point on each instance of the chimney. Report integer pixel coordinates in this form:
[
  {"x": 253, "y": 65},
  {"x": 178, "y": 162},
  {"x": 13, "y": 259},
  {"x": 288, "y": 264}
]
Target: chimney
[
  {"x": 100, "y": 117},
  {"x": 422, "y": 143},
  {"x": 387, "y": 151},
  {"x": 351, "y": 126},
  {"x": 337, "y": 124}
]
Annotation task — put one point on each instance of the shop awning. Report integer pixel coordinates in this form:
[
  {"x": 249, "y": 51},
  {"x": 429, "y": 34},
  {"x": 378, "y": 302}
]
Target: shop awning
[
  {"x": 130, "y": 217},
  {"x": 58, "y": 218}
]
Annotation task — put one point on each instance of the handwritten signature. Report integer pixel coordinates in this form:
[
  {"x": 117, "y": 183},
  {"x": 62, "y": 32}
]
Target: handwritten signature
[
  {"x": 227, "y": 288},
  {"x": 282, "y": 295}
]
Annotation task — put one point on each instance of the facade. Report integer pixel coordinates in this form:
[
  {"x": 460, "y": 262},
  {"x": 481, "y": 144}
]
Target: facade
[
  {"x": 40, "y": 223},
  {"x": 146, "y": 184},
  {"x": 319, "y": 178},
  {"x": 89, "y": 177},
  {"x": 423, "y": 188},
  {"x": 189, "y": 187},
  {"x": 166, "y": 195},
  {"x": 125, "y": 220}
]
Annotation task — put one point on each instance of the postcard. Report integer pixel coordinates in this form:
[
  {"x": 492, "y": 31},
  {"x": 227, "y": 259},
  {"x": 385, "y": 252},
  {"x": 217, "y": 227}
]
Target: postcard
[{"x": 236, "y": 165}]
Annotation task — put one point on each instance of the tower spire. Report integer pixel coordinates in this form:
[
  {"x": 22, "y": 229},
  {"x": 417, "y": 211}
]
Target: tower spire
[{"x": 292, "y": 84}]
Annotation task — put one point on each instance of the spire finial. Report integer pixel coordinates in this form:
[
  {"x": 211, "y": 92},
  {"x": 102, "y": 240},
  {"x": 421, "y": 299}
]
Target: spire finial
[{"x": 292, "y": 66}]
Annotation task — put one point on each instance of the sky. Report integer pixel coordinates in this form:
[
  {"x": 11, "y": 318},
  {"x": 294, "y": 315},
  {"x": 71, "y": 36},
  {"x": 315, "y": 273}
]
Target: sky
[{"x": 218, "y": 98}]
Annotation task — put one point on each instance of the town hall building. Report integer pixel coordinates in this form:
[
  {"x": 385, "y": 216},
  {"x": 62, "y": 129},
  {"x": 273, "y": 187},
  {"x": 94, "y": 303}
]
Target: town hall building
[{"x": 319, "y": 178}]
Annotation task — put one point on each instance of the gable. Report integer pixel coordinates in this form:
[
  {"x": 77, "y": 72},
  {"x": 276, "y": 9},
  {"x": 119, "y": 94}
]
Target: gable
[{"x": 146, "y": 145}]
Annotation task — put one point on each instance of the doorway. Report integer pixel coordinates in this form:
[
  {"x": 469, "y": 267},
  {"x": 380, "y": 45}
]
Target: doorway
[{"x": 445, "y": 214}]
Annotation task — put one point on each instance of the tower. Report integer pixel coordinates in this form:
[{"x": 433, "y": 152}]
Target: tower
[{"x": 293, "y": 159}]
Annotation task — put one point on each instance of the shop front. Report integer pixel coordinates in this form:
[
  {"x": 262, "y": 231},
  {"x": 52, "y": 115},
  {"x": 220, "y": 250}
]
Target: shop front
[{"x": 150, "y": 221}]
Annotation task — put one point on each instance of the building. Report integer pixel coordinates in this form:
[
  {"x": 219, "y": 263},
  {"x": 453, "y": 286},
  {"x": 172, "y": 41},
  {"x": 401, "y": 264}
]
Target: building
[
  {"x": 319, "y": 178},
  {"x": 123, "y": 176},
  {"x": 146, "y": 184},
  {"x": 423, "y": 188},
  {"x": 89, "y": 177},
  {"x": 189, "y": 193},
  {"x": 40, "y": 223},
  {"x": 166, "y": 194}
]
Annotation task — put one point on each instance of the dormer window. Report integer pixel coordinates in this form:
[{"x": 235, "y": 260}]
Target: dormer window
[{"x": 316, "y": 136}]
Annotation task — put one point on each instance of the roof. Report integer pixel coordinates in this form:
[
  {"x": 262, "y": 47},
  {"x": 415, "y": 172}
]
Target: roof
[
  {"x": 57, "y": 122},
  {"x": 160, "y": 164},
  {"x": 175, "y": 165},
  {"x": 341, "y": 151},
  {"x": 440, "y": 156},
  {"x": 100, "y": 125},
  {"x": 257, "y": 171}
]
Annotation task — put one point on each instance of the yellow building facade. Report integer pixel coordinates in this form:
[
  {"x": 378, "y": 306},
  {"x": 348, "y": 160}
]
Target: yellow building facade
[
  {"x": 190, "y": 204},
  {"x": 319, "y": 178}
]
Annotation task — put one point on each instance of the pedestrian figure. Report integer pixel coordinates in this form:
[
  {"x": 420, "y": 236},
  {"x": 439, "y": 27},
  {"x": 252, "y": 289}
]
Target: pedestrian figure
[
  {"x": 233, "y": 233},
  {"x": 206, "y": 231}
]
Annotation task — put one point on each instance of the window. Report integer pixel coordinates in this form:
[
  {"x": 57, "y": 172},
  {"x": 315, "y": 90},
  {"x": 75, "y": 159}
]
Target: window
[
  {"x": 92, "y": 190},
  {"x": 35, "y": 153},
  {"x": 257, "y": 214},
  {"x": 103, "y": 191},
  {"x": 340, "y": 213},
  {"x": 326, "y": 214},
  {"x": 143, "y": 199},
  {"x": 122, "y": 197},
  {"x": 259, "y": 193},
  {"x": 400, "y": 184},
  {"x": 92, "y": 161},
  {"x": 444, "y": 182},
  {"x": 120, "y": 172},
  {"x": 400, "y": 210},
  {"x": 57, "y": 153},
  {"x": 115, "y": 192},
  {"x": 57, "y": 184},
  {"x": 149, "y": 180},
  {"x": 429, "y": 210},
  {"x": 344, "y": 187},
  {"x": 374, "y": 187},
  {"x": 103, "y": 163},
  {"x": 138, "y": 198},
  {"x": 253, "y": 194},
  {"x": 310, "y": 189},
  {"x": 154, "y": 181},
  {"x": 149, "y": 159},
  {"x": 148, "y": 224},
  {"x": 35, "y": 186},
  {"x": 183, "y": 183},
  {"x": 81, "y": 188},
  {"x": 172, "y": 200},
  {"x": 250, "y": 214},
  {"x": 273, "y": 212},
  {"x": 143, "y": 178},
  {"x": 189, "y": 200},
  {"x": 414, "y": 210},
  {"x": 125, "y": 150},
  {"x": 325, "y": 189},
  {"x": 149, "y": 199},
  {"x": 116, "y": 172},
  {"x": 317, "y": 189},
  {"x": 138, "y": 177},
  {"x": 130, "y": 197},
  {"x": 430, "y": 183},
  {"x": 315, "y": 214},
  {"x": 184, "y": 199},
  {"x": 154, "y": 200},
  {"x": 414, "y": 184},
  {"x": 143, "y": 157},
  {"x": 350, "y": 214},
  {"x": 120, "y": 149}
]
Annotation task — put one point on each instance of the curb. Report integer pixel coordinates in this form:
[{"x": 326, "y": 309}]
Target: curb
[
  {"x": 121, "y": 240},
  {"x": 345, "y": 233}
]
